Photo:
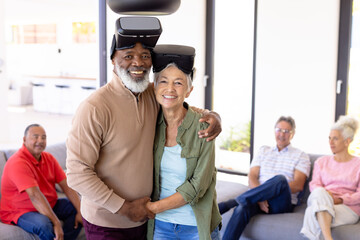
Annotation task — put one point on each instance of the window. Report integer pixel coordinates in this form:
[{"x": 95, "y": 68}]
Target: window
[
  {"x": 233, "y": 77},
  {"x": 84, "y": 32},
  {"x": 34, "y": 34}
]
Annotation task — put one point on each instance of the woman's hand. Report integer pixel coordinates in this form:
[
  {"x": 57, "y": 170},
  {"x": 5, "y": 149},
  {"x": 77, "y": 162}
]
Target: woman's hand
[
  {"x": 151, "y": 206},
  {"x": 171, "y": 202},
  {"x": 336, "y": 200}
]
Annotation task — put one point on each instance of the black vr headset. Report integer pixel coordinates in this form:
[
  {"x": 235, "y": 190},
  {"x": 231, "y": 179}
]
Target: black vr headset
[
  {"x": 130, "y": 30},
  {"x": 182, "y": 56}
]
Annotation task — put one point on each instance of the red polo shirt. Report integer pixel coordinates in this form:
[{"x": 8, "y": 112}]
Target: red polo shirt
[{"x": 23, "y": 171}]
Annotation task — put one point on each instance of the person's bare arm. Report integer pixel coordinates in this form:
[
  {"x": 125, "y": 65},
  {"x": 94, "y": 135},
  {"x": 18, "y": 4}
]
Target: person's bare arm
[
  {"x": 297, "y": 184},
  {"x": 43, "y": 207},
  {"x": 74, "y": 199},
  {"x": 174, "y": 201},
  {"x": 254, "y": 182},
  {"x": 214, "y": 121},
  {"x": 254, "y": 177}
]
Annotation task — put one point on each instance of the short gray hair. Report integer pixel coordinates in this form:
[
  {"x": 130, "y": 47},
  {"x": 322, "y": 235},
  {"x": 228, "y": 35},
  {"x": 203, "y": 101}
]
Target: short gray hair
[
  {"x": 347, "y": 126},
  {"x": 30, "y": 126},
  {"x": 188, "y": 76},
  {"x": 289, "y": 120}
]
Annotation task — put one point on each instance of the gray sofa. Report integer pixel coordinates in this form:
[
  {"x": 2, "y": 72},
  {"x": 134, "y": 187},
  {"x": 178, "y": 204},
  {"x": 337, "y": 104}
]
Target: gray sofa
[
  {"x": 278, "y": 226},
  {"x": 10, "y": 232}
]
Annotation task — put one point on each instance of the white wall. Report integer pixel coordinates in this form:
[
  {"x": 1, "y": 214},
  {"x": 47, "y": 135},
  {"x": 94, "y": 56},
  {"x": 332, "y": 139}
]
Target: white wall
[
  {"x": 3, "y": 84},
  {"x": 185, "y": 27},
  {"x": 78, "y": 60},
  {"x": 296, "y": 65}
]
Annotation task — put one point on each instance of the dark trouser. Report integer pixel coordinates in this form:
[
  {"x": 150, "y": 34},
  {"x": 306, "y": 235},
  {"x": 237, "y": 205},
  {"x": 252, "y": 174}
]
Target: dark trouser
[
  {"x": 94, "y": 232},
  {"x": 276, "y": 191},
  {"x": 41, "y": 225}
]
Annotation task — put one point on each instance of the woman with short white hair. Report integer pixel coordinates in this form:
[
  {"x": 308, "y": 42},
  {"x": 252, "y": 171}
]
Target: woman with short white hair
[
  {"x": 335, "y": 185},
  {"x": 184, "y": 195}
]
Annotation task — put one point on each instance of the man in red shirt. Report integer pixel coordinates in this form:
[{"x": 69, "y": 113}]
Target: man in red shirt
[{"x": 29, "y": 198}]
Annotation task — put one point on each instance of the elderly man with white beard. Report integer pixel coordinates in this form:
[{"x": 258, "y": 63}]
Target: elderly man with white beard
[{"x": 110, "y": 147}]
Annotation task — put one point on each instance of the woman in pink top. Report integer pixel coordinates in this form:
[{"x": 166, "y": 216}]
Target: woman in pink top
[{"x": 335, "y": 185}]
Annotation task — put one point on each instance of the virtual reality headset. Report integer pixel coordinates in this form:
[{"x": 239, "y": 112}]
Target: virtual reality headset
[
  {"x": 182, "y": 56},
  {"x": 131, "y": 30}
]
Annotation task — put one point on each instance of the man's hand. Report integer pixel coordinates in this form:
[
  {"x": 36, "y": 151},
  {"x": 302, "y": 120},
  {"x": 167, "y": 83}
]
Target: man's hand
[
  {"x": 78, "y": 220},
  {"x": 59, "y": 233},
  {"x": 264, "y": 206},
  {"x": 41, "y": 204},
  {"x": 136, "y": 210},
  {"x": 74, "y": 199},
  {"x": 214, "y": 129}
]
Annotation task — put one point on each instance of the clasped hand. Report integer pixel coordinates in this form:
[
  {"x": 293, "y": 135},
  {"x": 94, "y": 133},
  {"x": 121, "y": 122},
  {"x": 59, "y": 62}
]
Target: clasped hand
[
  {"x": 335, "y": 198},
  {"x": 136, "y": 210}
]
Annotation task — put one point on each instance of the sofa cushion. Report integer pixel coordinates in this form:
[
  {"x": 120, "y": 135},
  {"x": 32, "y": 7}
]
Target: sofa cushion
[
  {"x": 227, "y": 190},
  {"x": 303, "y": 196},
  {"x": 57, "y": 150},
  {"x": 10, "y": 232},
  {"x": 288, "y": 226},
  {"x": 10, "y": 152},
  {"x": 346, "y": 232},
  {"x": 274, "y": 227},
  {"x": 292, "y": 222}
]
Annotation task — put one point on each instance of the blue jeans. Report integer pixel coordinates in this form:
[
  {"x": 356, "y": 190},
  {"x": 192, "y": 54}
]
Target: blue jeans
[
  {"x": 276, "y": 191},
  {"x": 41, "y": 225},
  {"x": 169, "y": 231},
  {"x": 215, "y": 235}
]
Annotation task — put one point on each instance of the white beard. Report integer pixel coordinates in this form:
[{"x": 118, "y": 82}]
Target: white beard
[{"x": 131, "y": 84}]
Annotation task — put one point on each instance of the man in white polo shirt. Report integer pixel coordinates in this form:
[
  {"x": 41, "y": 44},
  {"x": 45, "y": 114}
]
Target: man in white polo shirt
[{"x": 277, "y": 175}]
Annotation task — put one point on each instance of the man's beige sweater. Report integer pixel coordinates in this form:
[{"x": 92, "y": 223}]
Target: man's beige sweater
[{"x": 110, "y": 152}]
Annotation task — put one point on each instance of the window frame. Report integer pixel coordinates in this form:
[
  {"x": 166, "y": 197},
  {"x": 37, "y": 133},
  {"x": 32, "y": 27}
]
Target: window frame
[
  {"x": 345, "y": 24},
  {"x": 209, "y": 71}
]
